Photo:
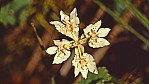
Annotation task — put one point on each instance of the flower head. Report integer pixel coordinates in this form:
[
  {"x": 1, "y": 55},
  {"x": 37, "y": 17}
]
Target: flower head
[
  {"x": 96, "y": 35},
  {"x": 61, "y": 50},
  {"x": 83, "y": 62},
  {"x": 69, "y": 25}
]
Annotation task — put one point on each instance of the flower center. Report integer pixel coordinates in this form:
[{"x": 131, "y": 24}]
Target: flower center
[
  {"x": 69, "y": 27},
  {"x": 82, "y": 62},
  {"x": 62, "y": 48}
]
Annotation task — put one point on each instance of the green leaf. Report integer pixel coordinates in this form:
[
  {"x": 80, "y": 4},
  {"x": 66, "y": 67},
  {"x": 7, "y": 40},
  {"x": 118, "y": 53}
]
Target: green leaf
[
  {"x": 13, "y": 12},
  {"x": 102, "y": 76},
  {"x": 119, "y": 8}
]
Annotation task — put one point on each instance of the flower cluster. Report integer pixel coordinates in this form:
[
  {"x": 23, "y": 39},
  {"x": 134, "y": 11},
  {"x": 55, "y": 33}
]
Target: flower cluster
[{"x": 69, "y": 26}]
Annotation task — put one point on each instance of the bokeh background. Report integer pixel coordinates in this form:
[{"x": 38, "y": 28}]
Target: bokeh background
[{"x": 24, "y": 61}]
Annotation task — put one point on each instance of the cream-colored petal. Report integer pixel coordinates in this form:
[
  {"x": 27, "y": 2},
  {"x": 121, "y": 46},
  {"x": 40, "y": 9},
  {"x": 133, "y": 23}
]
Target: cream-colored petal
[
  {"x": 64, "y": 17},
  {"x": 57, "y": 42},
  {"x": 73, "y": 16},
  {"x": 84, "y": 72},
  {"x": 59, "y": 26},
  {"x": 51, "y": 50},
  {"x": 92, "y": 67},
  {"x": 91, "y": 63},
  {"x": 60, "y": 57},
  {"x": 64, "y": 41},
  {"x": 57, "y": 59},
  {"x": 102, "y": 32},
  {"x": 93, "y": 43},
  {"x": 75, "y": 21},
  {"x": 77, "y": 67},
  {"x": 62, "y": 28},
  {"x": 101, "y": 42},
  {"x": 87, "y": 30},
  {"x": 92, "y": 28},
  {"x": 96, "y": 26},
  {"x": 76, "y": 32},
  {"x": 69, "y": 34},
  {"x": 77, "y": 70}
]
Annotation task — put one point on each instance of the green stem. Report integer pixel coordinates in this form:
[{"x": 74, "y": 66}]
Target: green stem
[
  {"x": 74, "y": 37},
  {"x": 80, "y": 51},
  {"x": 53, "y": 81},
  {"x": 38, "y": 38}
]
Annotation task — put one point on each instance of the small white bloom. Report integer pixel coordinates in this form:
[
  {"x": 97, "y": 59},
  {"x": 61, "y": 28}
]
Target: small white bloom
[
  {"x": 61, "y": 50},
  {"x": 83, "y": 63},
  {"x": 69, "y": 25},
  {"x": 51, "y": 50},
  {"x": 96, "y": 35}
]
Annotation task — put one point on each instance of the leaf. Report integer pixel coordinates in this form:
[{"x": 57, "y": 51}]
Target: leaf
[
  {"x": 119, "y": 7},
  {"x": 102, "y": 76},
  {"x": 13, "y": 12}
]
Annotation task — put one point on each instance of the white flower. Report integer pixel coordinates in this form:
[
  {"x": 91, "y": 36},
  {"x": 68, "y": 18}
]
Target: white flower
[
  {"x": 61, "y": 50},
  {"x": 69, "y": 25},
  {"x": 96, "y": 35},
  {"x": 83, "y": 63}
]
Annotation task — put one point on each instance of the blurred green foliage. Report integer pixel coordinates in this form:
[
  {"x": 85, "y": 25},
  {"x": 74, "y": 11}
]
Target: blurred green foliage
[
  {"x": 122, "y": 5},
  {"x": 119, "y": 8},
  {"x": 14, "y": 12},
  {"x": 141, "y": 17},
  {"x": 102, "y": 77},
  {"x": 125, "y": 24}
]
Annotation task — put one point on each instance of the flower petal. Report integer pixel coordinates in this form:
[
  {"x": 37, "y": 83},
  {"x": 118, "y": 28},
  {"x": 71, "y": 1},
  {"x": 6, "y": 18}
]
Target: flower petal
[
  {"x": 87, "y": 30},
  {"x": 76, "y": 32},
  {"x": 64, "y": 17},
  {"x": 60, "y": 57},
  {"x": 59, "y": 26},
  {"x": 59, "y": 43},
  {"x": 77, "y": 68},
  {"x": 74, "y": 22},
  {"x": 84, "y": 72},
  {"x": 91, "y": 63},
  {"x": 101, "y": 42},
  {"x": 73, "y": 16},
  {"x": 51, "y": 50},
  {"x": 63, "y": 29},
  {"x": 65, "y": 41},
  {"x": 92, "y": 27},
  {"x": 96, "y": 26},
  {"x": 102, "y": 32}
]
